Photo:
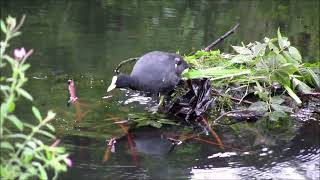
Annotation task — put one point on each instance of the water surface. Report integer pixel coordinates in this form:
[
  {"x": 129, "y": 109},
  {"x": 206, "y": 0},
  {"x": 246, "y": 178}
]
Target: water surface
[{"x": 85, "y": 40}]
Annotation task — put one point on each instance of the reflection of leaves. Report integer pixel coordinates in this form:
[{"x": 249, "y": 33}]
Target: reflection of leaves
[{"x": 148, "y": 120}]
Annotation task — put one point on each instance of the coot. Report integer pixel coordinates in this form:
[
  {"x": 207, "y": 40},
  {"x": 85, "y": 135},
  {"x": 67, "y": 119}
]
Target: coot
[{"x": 154, "y": 72}]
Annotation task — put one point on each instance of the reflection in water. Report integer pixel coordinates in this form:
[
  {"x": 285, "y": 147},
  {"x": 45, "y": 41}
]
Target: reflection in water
[{"x": 85, "y": 40}]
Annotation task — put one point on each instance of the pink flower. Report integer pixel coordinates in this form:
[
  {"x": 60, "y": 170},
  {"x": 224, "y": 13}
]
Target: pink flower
[
  {"x": 68, "y": 161},
  {"x": 19, "y": 53}
]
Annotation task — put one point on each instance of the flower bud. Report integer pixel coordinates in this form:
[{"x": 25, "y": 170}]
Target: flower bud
[{"x": 11, "y": 23}]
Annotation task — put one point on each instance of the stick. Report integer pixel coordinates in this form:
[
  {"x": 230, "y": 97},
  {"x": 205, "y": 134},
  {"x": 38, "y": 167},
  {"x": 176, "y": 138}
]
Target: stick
[
  {"x": 233, "y": 98},
  {"x": 208, "y": 48}
]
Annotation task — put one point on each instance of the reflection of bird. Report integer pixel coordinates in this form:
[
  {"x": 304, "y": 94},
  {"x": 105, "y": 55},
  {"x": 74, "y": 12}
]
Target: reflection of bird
[{"x": 154, "y": 72}]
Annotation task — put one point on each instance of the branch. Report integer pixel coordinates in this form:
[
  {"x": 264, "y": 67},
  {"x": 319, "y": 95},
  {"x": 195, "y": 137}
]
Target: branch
[
  {"x": 208, "y": 48},
  {"x": 232, "y": 98}
]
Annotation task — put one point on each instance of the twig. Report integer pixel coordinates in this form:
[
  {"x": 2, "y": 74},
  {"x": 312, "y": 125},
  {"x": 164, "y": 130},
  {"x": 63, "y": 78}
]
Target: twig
[
  {"x": 223, "y": 115},
  {"x": 124, "y": 62},
  {"x": 208, "y": 48},
  {"x": 246, "y": 114},
  {"x": 246, "y": 93},
  {"x": 213, "y": 143},
  {"x": 213, "y": 133},
  {"x": 313, "y": 94},
  {"x": 233, "y": 98}
]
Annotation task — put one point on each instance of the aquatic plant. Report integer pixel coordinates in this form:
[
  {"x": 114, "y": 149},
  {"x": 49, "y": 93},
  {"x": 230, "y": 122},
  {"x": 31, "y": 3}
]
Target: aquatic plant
[
  {"x": 261, "y": 68},
  {"x": 23, "y": 148}
]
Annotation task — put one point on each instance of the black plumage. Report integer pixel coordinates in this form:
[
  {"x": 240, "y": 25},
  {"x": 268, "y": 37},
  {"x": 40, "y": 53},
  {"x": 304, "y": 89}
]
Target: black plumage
[{"x": 154, "y": 72}]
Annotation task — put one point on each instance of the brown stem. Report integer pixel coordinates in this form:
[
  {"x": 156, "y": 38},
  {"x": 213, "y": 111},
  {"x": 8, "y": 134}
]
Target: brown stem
[
  {"x": 213, "y": 133},
  {"x": 208, "y": 48},
  {"x": 233, "y": 98}
]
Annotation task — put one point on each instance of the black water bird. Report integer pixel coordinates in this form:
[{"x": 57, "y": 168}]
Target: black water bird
[{"x": 154, "y": 72}]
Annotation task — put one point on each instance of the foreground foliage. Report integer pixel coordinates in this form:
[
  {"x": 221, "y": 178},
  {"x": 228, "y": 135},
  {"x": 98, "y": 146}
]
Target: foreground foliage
[{"x": 24, "y": 154}]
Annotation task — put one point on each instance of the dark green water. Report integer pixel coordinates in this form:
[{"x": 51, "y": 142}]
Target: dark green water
[{"x": 85, "y": 40}]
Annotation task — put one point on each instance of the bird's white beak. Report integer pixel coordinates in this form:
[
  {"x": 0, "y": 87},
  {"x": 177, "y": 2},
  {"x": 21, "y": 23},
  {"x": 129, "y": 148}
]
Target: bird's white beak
[{"x": 113, "y": 84}]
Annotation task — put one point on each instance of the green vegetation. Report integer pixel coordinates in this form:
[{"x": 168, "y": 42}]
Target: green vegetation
[
  {"x": 24, "y": 154},
  {"x": 262, "y": 68}
]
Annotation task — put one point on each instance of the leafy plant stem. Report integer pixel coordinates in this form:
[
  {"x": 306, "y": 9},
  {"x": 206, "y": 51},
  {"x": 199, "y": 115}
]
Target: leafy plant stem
[{"x": 293, "y": 95}]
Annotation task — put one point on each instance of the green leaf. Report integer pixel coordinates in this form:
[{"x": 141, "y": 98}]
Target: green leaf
[
  {"x": 276, "y": 115},
  {"x": 155, "y": 124},
  {"x": 289, "y": 68},
  {"x": 24, "y": 93},
  {"x": 276, "y": 100},
  {"x": 20, "y": 136},
  {"x": 42, "y": 171},
  {"x": 283, "y": 41},
  {"x": 45, "y": 133},
  {"x": 27, "y": 158},
  {"x": 32, "y": 144},
  {"x": 6, "y": 145},
  {"x": 259, "y": 49},
  {"x": 289, "y": 58},
  {"x": 240, "y": 59},
  {"x": 259, "y": 106},
  {"x": 295, "y": 53},
  {"x": 292, "y": 94},
  {"x": 280, "y": 59},
  {"x": 10, "y": 59},
  {"x": 3, "y": 27},
  {"x": 11, "y": 107},
  {"x": 18, "y": 33},
  {"x": 273, "y": 48},
  {"x": 36, "y": 113},
  {"x": 215, "y": 72},
  {"x": 50, "y": 127},
  {"x": 301, "y": 85},
  {"x": 314, "y": 76},
  {"x": 166, "y": 121},
  {"x": 242, "y": 50},
  {"x": 281, "y": 77},
  {"x": 24, "y": 67},
  {"x": 14, "y": 120},
  {"x": 282, "y": 108}
]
